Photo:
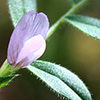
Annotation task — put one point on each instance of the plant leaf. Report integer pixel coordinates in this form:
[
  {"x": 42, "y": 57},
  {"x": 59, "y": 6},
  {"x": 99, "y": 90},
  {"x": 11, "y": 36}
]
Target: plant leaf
[
  {"x": 17, "y": 8},
  {"x": 88, "y": 25},
  {"x": 61, "y": 80},
  {"x": 30, "y": 5},
  {"x": 5, "y": 80}
]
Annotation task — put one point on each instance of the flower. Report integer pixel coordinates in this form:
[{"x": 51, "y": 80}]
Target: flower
[{"x": 27, "y": 42}]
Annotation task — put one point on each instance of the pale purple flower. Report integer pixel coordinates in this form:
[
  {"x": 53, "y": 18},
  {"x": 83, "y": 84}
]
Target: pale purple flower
[{"x": 27, "y": 42}]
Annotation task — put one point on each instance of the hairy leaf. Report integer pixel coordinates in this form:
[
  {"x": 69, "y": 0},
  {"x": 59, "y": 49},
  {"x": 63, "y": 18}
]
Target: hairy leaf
[
  {"x": 88, "y": 25},
  {"x": 61, "y": 80},
  {"x": 30, "y": 5},
  {"x": 5, "y": 80},
  {"x": 17, "y": 8}
]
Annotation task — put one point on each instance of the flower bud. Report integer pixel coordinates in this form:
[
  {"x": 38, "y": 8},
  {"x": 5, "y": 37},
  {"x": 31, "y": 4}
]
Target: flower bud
[{"x": 27, "y": 42}]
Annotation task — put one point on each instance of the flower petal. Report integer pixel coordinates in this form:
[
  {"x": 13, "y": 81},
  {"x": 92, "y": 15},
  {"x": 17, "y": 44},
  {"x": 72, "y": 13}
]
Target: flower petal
[
  {"x": 40, "y": 25},
  {"x": 31, "y": 24},
  {"x": 32, "y": 50}
]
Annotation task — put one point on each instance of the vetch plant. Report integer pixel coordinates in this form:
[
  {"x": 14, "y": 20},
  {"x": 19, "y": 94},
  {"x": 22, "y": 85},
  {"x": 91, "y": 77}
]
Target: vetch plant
[{"x": 27, "y": 44}]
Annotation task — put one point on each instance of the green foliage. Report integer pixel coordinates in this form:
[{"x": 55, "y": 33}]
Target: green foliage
[
  {"x": 89, "y": 25},
  {"x": 7, "y": 73},
  {"x": 5, "y": 80},
  {"x": 61, "y": 80},
  {"x": 30, "y": 5},
  {"x": 17, "y": 8}
]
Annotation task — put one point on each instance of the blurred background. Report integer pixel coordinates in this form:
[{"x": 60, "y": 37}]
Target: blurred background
[{"x": 68, "y": 47}]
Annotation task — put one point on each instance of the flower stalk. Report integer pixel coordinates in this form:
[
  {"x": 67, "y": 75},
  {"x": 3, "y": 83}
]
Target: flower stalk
[
  {"x": 73, "y": 10},
  {"x": 7, "y": 69}
]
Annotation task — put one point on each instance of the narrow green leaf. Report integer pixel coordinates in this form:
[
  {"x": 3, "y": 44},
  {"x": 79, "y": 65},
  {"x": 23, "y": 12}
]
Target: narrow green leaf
[
  {"x": 17, "y": 8},
  {"x": 5, "y": 80},
  {"x": 88, "y": 25},
  {"x": 61, "y": 80},
  {"x": 30, "y": 5}
]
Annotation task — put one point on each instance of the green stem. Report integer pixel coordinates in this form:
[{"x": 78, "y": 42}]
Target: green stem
[
  {"x": 73, "y": 10},
  {"x": 76, "y": 7},
  {"x": 7, "y": 70}
]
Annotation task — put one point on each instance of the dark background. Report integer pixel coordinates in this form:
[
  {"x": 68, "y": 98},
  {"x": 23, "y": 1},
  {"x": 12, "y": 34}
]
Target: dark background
[{"x": 68, "y": 47}]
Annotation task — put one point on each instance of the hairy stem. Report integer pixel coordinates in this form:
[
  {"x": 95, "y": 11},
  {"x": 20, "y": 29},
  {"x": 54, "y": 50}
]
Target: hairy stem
[{"x": 73, "y": 10}]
